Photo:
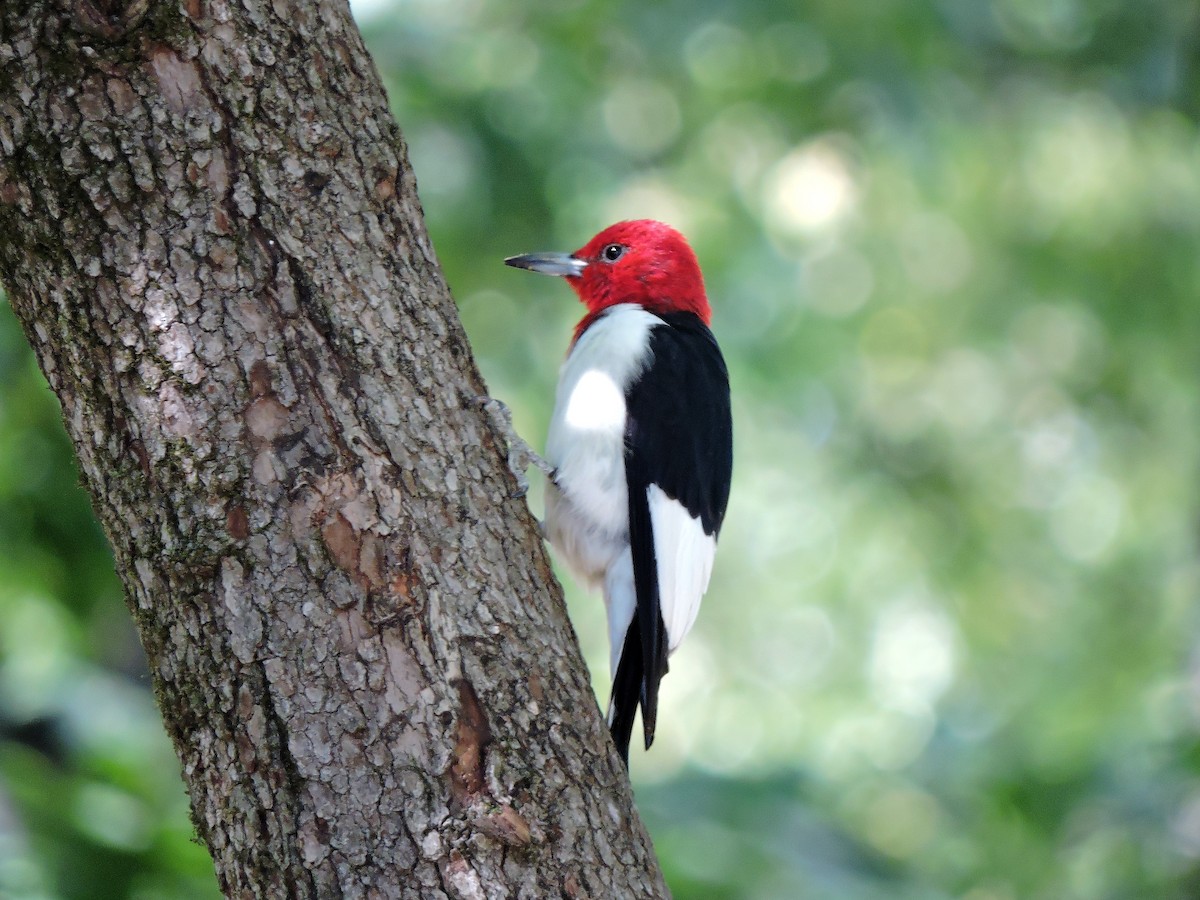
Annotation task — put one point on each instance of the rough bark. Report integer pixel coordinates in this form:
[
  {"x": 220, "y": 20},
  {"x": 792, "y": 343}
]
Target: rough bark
[{"x": 210, "y": 231}]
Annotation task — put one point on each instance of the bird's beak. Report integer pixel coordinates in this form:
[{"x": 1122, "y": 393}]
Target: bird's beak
[{"x": 549, "y": 264}]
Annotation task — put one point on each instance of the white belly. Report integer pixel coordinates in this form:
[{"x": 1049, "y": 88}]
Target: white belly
[{"x": 587, "y": 507}]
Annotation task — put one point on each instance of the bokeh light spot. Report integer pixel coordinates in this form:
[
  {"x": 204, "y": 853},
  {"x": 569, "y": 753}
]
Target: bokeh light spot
[
  {"x": 913, "y": 656},
  {"x": 936, "y": 253},
  {"x": 642, "y": 117},
  {"x": 809, "y": 191},
  {"x": 794, "y": 52},
  {"x": 719, "y": 56},
  {"x": 838, "y": 281},
  {"x": 901, "y": 821},
  {"x": 1087, "y": 518}
]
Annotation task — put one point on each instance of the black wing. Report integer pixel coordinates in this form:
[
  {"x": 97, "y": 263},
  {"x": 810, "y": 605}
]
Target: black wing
[{"x": 678, "y": 436}]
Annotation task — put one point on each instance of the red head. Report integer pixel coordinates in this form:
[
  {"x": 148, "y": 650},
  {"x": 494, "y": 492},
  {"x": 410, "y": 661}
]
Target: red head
[{"x": 643, "y": 262}]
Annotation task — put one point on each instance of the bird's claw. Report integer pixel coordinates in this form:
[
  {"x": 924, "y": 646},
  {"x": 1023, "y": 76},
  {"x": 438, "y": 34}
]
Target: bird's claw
[
  {"x": 522, "y": 481},
  {"x": 520, "y": 455}
]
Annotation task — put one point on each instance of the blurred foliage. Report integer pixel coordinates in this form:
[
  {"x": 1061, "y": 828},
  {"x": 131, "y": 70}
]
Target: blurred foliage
[{"x": 949, "y": 649}]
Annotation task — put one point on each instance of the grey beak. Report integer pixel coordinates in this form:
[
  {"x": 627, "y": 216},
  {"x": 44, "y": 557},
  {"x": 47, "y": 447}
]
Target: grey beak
[{"x": 549, "y": 264}]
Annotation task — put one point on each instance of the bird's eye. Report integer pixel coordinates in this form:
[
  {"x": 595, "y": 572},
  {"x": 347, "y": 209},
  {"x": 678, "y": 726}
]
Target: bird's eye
[{"x": 613, "y": 252}]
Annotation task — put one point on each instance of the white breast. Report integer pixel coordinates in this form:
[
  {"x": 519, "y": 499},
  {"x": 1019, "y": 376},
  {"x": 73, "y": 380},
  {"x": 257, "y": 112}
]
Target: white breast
[{"x": 587, "y": 508}]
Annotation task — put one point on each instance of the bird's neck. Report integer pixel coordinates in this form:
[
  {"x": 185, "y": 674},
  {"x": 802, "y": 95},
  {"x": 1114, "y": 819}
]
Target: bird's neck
[{"x": 700, "y": 309}]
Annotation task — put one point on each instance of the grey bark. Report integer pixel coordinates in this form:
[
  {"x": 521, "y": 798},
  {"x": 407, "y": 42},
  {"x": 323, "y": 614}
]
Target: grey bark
[{"x": 211, "y": 234}]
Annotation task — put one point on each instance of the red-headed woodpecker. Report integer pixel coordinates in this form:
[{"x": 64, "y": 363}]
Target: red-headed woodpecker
[{"x": 641, "y": 449}]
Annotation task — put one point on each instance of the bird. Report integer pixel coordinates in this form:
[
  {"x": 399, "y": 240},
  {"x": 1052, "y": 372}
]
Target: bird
[{"x": 639, "y": 453}]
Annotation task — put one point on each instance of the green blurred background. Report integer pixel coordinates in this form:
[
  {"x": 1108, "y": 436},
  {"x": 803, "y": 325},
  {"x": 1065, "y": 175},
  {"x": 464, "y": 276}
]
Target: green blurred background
[{"x": 949, "y": 648}]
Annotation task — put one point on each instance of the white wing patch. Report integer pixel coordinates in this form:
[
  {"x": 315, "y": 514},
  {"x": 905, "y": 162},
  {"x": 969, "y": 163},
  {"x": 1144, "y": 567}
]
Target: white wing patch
[
  {"x": 684, "y": 556},
  {"x": 596, "y": 403}
]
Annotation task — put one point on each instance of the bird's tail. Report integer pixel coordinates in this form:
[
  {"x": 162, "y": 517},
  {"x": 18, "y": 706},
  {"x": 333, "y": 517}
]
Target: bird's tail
[
  {"x": 626, "y": 692},
  {"x": 633, "y": 686}
]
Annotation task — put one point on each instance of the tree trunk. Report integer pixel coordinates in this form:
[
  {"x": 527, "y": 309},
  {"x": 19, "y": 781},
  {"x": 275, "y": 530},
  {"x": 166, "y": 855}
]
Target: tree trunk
[{"x": 210, "y": 231}]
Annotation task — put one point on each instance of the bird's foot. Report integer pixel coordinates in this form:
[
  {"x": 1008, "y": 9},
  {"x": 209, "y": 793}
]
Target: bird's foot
[{"x": 520, "y": 455}]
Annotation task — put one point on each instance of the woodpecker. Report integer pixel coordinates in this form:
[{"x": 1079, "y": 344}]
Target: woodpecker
[{"x": 640, "y": 449}]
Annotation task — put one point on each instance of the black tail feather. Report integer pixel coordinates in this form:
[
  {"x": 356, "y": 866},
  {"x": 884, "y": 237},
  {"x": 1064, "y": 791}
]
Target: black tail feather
[
  {"x": 651, "y": 678},
  {"x": 649, "y": 623},
  {"x": 626, "y": 691},
  {"x": 647, "y": 619},
  {"x": 634, "y": 685}
]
